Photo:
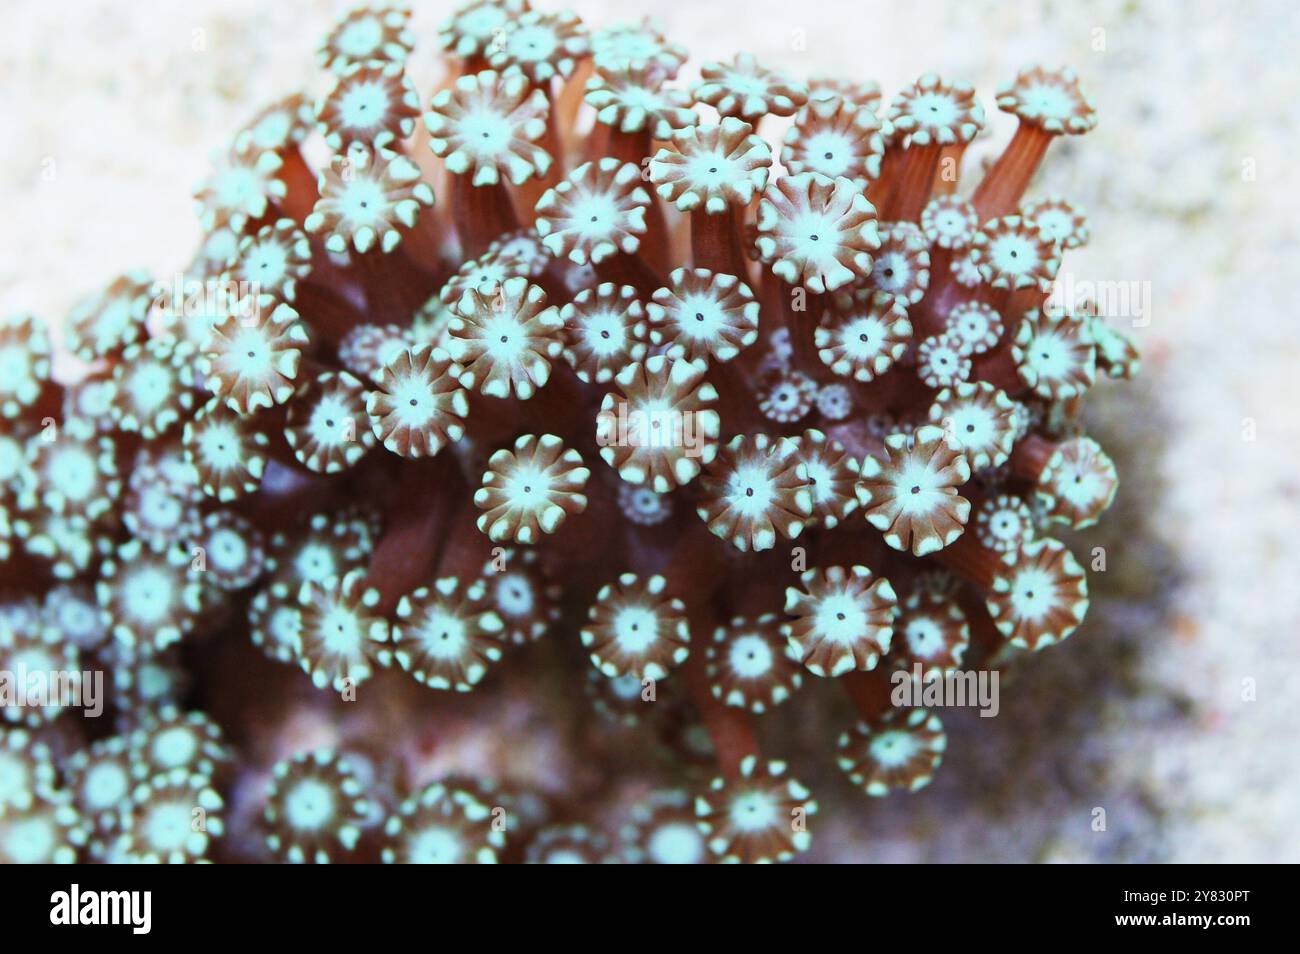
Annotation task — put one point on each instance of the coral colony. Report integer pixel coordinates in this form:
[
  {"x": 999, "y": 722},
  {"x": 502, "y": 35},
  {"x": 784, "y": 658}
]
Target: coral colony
[{"x": 664, "y": 402}]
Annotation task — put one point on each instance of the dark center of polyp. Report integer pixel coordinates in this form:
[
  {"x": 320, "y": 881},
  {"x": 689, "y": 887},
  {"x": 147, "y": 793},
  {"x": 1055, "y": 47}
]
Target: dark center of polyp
[
  {"x": 699, "y": 316},
  {"x": 749, "y": 491},
  {"x": 916, "y": 489},
  {"x": 829, "y": 156},
  {"x": 505, "y": 338},
  {"x": 604, "y": 334},
  {"x": 528, "y": 488},
  {"x": 813, "y": 237},
  {"x": 413, "y": 402}
]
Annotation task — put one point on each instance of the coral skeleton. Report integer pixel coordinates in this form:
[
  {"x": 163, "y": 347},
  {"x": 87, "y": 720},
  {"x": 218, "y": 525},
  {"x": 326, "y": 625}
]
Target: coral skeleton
[{"x": 639, "y": 433}]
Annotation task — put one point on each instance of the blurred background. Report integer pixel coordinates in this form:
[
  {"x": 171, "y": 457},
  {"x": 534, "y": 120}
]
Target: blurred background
[{"x": 1176, "y": 709}]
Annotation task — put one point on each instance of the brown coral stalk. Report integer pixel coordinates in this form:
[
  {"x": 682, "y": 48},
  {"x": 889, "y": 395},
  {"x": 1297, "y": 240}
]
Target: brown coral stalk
[
  {"x": 917, "y": 170},
  {"x": 715, "y": 242},
  {"x": 1002, "y": 187},
  {"x": 482, "y": 214},
  {"x": 417, "y": 520}
]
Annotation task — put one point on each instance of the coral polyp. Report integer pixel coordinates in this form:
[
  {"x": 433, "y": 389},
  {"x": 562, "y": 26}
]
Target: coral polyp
[{"x": 537, "y": 437}]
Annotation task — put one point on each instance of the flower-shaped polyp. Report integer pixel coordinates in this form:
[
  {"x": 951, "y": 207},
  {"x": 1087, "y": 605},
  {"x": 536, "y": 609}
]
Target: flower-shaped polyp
[
  {"x": 273, "y": 261},
  {"x": 941, "y": 361},
  {"x": 632, "y": 98},
  {"x": 1052, "y": 100},
  {"x": 233, "y": 550},
  {"x": 342, "y": 631},
  {"x": 475, "y": 25},
  {"x": 161, "y": 504},
  {"x": 598, "y": 211},
  {"x": 750, "y": 664},
  {"x": 747, "y": 89},
  {"x": 931, "y": 112},
  {"x": 26, "y": 770},
  {"x": 518, "y": 593},
  {"x": 251, "y": 358},
  {"x": 327, "y": 427},
  {"x": 900, "y": 268},
  {"x": 367, "y": 349},
  {"x": 1012, "y": 252},
  {"x": 315, "y": 807},
  {"x": 152, "y": 594},
  {"x": 626, "y": 44},
  {"x": 24, "y": 363},
  {"x": 1004, "y": 523},
  {"x": 756, "y": 489},
  {"x": 1059, "y": 218},
  {"x": 911, "y": 494},
  {"x": 703, "y": 315},
  {"x": 662, "y": 427},
  {"x": 859, "y": 92},
  {"x": 759, "y": 817},
  {"x": 604, "y": 330},
  {"x": 447, "y": 636},
  {"x": 950, "y": 221},
  {"x": 843, "y": 619},
  {"x": 279, "y": 126},
  {"x": 635, "y": 628},
  {"x": 567, "y": 845},
  {"x": 275, "y": 625},
  {"x": 975, "y": 325},
  {"x": 713, "y": 167},
  {"x": 1054, "y": 354},
  {"x": 540, "y": 45},
  {"x": 75, "y": 472},
  {"x": 834, "y": 137},
  {"x": 862, "y": 334},
  {"x": 833, "y": 474},
  {"x": 419, "y": 406},
  {"x": 530, "y": 489},
  {"x": 99, "y": 777},
  {"x": 153, "y": 386},
  {"x": 979, "y": 419},
  {"x": 241, "y": 189},
  {"x": 327, "y": 546},
  {"x": 503, "y": 338},
  {"x": 662, "y": 831},
  {"x": 71, "y": 609},
  {"x": 31, "y": 657},
  {"x": 1078, "y": 484},
  {"x": 788, "y": 398},
  {"x": 366, "y": 34},
  {"x": 442, "y": 825},
  {"x": 643, "y": 506},
  {"x": 365, "y": 198},
  {"x": 373, "y": 105},
  {"x": 226, "y": 450},
  {"x": 173, "y": 739},
  {"x": 103, "y": 324},
  {"x": 899, "y": 753},
  {"x": 48, "y": 830},
  {"x": 816, "y": 231},
  {"x": 1040, "y": 597},
  {"x": 160, "y": 820},
  {"x": 487, "y": 125},
  {"x": 931, "y": 630}
]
